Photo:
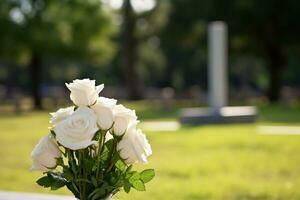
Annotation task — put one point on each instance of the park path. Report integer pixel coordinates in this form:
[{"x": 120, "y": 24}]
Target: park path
[
  {"x": 170, "y": 126},
  {"x": 279, "y": 130},
  {"x": 160, "y": 125},
  {"x": 31, "y": 196}
]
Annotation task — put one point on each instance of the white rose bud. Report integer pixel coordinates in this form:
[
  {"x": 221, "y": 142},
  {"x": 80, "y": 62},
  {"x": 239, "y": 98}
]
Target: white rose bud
[
  {"x": 77, "y": 131},
  {"x": 134, "y": 147},
  {"x": 123, "y": 118},
  {"x": 44, "y": 154},
  {"x": 61, "y": 114},
  {"x": 104, "y": 111},
  {"x": 84, "y": 92}
]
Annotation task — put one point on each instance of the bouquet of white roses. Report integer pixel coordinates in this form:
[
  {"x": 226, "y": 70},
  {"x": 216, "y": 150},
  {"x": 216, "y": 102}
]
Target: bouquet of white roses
[{"x": 92, "y": 146}]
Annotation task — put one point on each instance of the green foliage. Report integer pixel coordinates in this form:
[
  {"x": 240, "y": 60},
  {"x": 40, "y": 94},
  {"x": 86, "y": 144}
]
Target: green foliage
[
  {"x": 47, "y": 29},
  {"x": 80, "y": 40},
  {"x": 137, "y": 180},
  {"x": 44, "y": 181},
  {"x": 52, "y": 180},
  {"x": 262, "y": 35},
  {"x": 147, "y": 175},
  {"x": 69, "y": 38},
  {"x": 94, "y": 173}
]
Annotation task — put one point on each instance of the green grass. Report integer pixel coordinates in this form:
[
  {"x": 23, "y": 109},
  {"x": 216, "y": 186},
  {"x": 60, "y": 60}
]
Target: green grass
[
  {"x": 276, "y": 113},
  {"x": 207, "y": 162}
]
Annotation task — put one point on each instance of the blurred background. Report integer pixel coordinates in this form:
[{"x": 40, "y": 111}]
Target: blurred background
[{"x": 152, "y": 54}]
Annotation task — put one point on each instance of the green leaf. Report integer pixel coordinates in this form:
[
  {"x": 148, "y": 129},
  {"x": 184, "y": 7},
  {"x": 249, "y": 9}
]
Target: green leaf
[
  {"x": 136, "y": 182},
  {"x": 97, "y": 193},
  {"x": 127, "y": 186},
  {"x": 88, "y": 164},
  {"x": 138, "y": 185},
  {"x": 74, "y": 168},
  {"x": 120, "y": 165},
  {"x": 57, "y": 180},
  {"x": 57, "y": 184},
  {"x": 147, "y": 175},
  {"x": 104, "y": 153},
  {"x": 68, "y": 174},
  {"x": 53, "y": 180},
  {"x": 94, "y": 181},
  {"x": 109, "y": 143},
  {"x": 73, "y": 188},
  {"x": 44, "y": 181},
  {"x": 97, "y": 135},
  {"x": 133, "y": 176},
  {"x": 103, "y": 191},
  {"x": 57, "y": 176}
]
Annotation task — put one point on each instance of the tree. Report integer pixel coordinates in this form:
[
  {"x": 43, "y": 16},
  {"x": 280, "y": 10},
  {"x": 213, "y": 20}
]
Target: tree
[
  {"x": 130, "y": 44},
  {"x": 271, "y": 27},
  {"x": 63, "y": 29},
  {"x": 266, "y": 29},
  {"x": 135, "y": 52},
  {"x": 183, "y": 42}
]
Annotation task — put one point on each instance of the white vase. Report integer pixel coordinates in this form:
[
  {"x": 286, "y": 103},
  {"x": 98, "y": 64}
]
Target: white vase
[{"x": 108, "y": 198}]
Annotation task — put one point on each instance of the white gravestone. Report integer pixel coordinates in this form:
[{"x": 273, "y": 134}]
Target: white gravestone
[
  {"x": 218, "y": 112},
  {"x": 217, "y": 65}
]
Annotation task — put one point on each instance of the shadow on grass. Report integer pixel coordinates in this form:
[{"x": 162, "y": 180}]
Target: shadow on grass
[{"x": 280, "y": 113}]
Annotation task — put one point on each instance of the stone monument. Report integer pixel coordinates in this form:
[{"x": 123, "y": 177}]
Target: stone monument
[{"x": 218, "y": 112}]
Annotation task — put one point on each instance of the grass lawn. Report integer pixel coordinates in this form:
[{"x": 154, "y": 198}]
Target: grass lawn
[{"x": 208, "y": 162}]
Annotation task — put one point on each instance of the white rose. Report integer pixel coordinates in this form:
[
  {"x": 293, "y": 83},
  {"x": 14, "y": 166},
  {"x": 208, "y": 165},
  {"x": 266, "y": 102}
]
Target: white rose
[
  {"x": 123, "y": 118},
  {"x": 77, "y": 131},
  {"x": 134, "y": 147},
  {"x": 61, "y": 114},
  {"x": 44, "y": 154},
  {"x": 104, "y": 111},
  {"x": 84, "y": 92}
]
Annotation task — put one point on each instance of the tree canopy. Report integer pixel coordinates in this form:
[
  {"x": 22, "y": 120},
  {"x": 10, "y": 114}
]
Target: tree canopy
[{"x": 161, "y": 46}]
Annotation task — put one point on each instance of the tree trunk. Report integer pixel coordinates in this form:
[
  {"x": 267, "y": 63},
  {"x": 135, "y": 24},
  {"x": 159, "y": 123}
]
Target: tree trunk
[
  {"x": 274, "y": 83},
  {"x": 130, "y": 52},
  {"x": 35, "y": 75},
  {"x": 277, "y": 62},
  {"x": 272, "y": 40}
]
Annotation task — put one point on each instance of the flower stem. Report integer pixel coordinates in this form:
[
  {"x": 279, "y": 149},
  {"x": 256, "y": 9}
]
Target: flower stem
[
  {"x": 83, "y": 175},
  {"x": 81, "y": 153},
  {"x": 72, "y": 164},
  {"x": 100, "y": 147},
  {"x": 111, "y": 153}
]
